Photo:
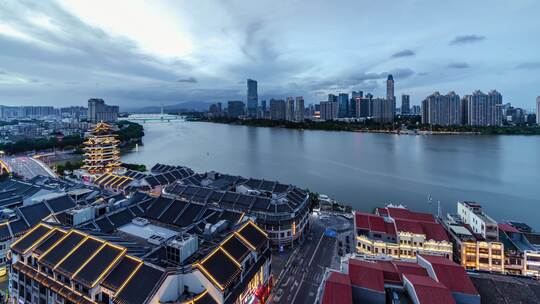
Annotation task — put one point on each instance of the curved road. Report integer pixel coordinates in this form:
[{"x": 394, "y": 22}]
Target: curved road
[{"x": 28, "y": 167}]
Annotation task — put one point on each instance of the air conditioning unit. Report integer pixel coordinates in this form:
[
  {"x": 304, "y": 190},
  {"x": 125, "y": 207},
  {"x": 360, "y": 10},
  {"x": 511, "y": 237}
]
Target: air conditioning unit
[
  {"x": 139, "y": 221},
  {"x": 156, "y": 240}
]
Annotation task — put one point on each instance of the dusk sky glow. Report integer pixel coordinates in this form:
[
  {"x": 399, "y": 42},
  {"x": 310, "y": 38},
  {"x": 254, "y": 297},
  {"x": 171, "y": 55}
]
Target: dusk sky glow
[{"x": 139, "y": 53}]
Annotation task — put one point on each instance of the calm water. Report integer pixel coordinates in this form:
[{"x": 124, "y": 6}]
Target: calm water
[{"x": 363, "y": 170}]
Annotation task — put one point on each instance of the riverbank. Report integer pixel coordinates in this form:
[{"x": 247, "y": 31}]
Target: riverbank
[{"x": 402, "y": 127}]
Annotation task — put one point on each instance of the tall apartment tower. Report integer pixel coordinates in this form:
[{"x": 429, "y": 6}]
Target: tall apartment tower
[
  {"x": 343, "y": 104},
  {"x": 390, "y": 96},
  {"x": 329, "y": 110},
  {"x": 300, "y": 109},
  {"x": 277, "y": 109},
  {"x": 483, "y": 109},
  {"x": 405, "y": 105},
  {"x": 289, "y": 109},
  {"x": 383, "y": 110},
  {"x": 538, "y": 110},
  {"x": 252, "y": 98},
  {"x": 98, "y": 111},
  {"x": 442, "y": 110}
]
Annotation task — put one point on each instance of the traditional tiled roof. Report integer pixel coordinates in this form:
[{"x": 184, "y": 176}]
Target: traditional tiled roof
[
  {"x": 452, "y": 275},
  {"x": 337, "y": 289},
  {"x": 373, "y": 223},
  {"x": 427, "y": 290},
  {"x": 368, "y": 275}
]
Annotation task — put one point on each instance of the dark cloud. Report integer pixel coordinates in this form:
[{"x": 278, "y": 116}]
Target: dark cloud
[
  {"x": 188, "y": 80},
  {"x": 459, "y": 65},
  {"x": 466, "y": 39},
  {"x": 529, "y": 65},
  {"x": 404, "y": 53}
]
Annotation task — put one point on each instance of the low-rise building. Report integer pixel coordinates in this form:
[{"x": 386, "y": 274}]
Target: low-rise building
[
  {"x": 427, "y": 279},
  {"x": 399, "y": 233},
  {"x": 522, "y": 250},
  {"x": 471, "y": 213},
  {"x": 473, "y": 251}
]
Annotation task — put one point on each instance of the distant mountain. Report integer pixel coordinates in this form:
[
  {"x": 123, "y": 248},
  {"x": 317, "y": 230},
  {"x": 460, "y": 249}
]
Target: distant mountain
[{"x": 189, "y": 106}]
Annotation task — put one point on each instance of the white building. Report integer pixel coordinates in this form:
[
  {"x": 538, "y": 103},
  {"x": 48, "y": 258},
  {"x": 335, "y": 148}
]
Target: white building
[{"x": 471, "y": 214}]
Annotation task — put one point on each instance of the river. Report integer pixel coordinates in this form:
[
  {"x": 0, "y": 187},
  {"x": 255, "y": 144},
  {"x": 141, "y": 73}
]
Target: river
[{"x": 361, "y": 169}]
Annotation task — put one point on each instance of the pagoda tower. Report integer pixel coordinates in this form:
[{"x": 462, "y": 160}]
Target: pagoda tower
[{"x": 101, "y": 153}]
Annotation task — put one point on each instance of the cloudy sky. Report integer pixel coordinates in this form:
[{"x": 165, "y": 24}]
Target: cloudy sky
[{"x": 137, "y": 53}]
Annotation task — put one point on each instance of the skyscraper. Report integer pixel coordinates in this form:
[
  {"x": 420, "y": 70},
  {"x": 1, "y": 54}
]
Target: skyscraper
[
  {"x": 390, "y": 91},
  {"x": 329, "y": 110},
  {"x": 235, "y": 108},
  {"x": 538, "y": 110},
  {"x": 332, "y": 98},
  {"x": 405, "y": 104},
  {"x": 383, "y": 110},
  {"x": 252, "y": 98},
  {"x": 277, "y": 109},
  {"x": 263, "y": 109},
  {"x": 343, "y": 101},
  {"x": 483, "y": 109},
  {"x": 289, "y": 109},
  {"x": 366, "y": 106},
  {"x": 442, "y": 110},
  {"x": 99, "y": 111},
  {"x": 300, "y": 109}
]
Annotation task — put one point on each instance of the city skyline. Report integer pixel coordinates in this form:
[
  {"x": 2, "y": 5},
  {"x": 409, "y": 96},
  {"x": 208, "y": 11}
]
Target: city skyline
[{"x": 64, "y": 53}]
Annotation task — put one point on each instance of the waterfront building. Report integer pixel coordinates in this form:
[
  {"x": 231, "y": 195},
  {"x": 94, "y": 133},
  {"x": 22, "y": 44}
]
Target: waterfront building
[
  {"x": 98, "y": 111},
  {"x": 289, "y": 109},
  {"x": 159, "y": 264},
  {"x": 101, "y": 153},
  {"x": 252, "y": 98},
  {"x": 522, "y": 249},
  {"x": 215, "y": 109},
  {"x": 366, "y": 106},
  {"x": 277, "y": 109},
  {"x": 332, "y": 98},
  {"x": 416, "y": 110},
  {"x": 383, "y": 110},
  {"x": 538, "y": 110},
  {"x": 442, "y": 110},
  {"x": 263, "y": 110},
  {"x": 235, "y": 109},
  {"x": 483, "y": 109},
  {"x": 390, "y": 96},
  {"x": 398, "y": 233},
  {"x": 471, "y": 214},
  {"x": 426, "y": 279},
  {"x": 300, "y": 109},
  {"x": 343, "y": 102},
  {"x": 28, "y": 112},
  {"x": 471, "y": 249},
  {"x": 329, "y": 110},
  {"x": 354, "y": 107},
  {"x": 405, "y": 104}
]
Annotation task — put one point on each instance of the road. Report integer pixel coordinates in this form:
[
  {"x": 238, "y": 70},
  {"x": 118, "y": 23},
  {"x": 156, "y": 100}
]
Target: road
[{"x": 305, "y": 268}]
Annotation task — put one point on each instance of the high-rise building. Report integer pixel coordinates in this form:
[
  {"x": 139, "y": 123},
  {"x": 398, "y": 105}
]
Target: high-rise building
[
  {"x": 277, "y": 109},
  {"x": 343, "y": 101},
  {"x": 101, "y": 153},
  {"x": 390, "y": 96},
  {"x": 383, "y": 110},
  {"x": 235, "y": 108},
  {"x": 289, "y": 109},
  {"x": 98, "y": 111},
  {"x": 263, "y": 109},
  {"x": 538, "y": 110},
  {"x": 483, "y": 109},
  {"x": 332, "y": 98},
  {"x": 366, "y": 106},
  {"x": 252, "y": 98},
  {"x": 442, "y": 110},
  {"x": 405, "y": 104},
  {"x": 329, "y": 110},
  {"x": 300, "y": 109}
]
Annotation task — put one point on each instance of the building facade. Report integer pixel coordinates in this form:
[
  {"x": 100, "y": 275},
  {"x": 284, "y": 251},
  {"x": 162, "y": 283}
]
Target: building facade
[
  {"x": 98, "y": 111},
  {"x": 442, "y": 110},
  {"x": 405, "y": 104},
  {"x": 300, "y": 109},
  {"x": 483, "y": 109},
  {"x": 538, "y": 110},
  {"x": 277, "y": 109},
  {"x": 235, "y": 109},
  {"x": 252, "y": 98},
  {"x": 290, "y": 114},
  {"x": 343, "y": 102},
  {"x": 471, "y": 213},
  {"x": 101, "y": 152},
  {"x": 329, "y": 110},
  {"x": 383, "y": 110}
]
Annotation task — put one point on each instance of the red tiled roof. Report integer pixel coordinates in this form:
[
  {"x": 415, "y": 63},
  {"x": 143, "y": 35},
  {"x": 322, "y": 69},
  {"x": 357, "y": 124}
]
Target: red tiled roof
[
  {"x": 367, "y": 275},
  {"x": 382, "y": 211},
  {"x": 406, "y": 214},
  {"x": 432, "y": 231},
  {"x": 373, "y": 222},
  {"x": 508, "y": 228},
  {"x": 390, "y": 272},
  {"x": 452, "y": 275},
  {"x": 337, "y": 289},
  {"x": 429, "y": 291},
  {"x": 393, "y": 271},
  {"x": 410, "y": 268}
]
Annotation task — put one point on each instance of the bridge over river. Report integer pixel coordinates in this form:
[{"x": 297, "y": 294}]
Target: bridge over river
[{"x": 154, "y": 118}]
